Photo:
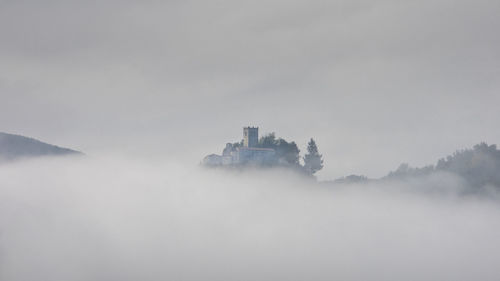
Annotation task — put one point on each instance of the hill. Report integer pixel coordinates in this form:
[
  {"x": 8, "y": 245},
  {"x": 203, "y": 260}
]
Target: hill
[
  {"x": 479, "y": 166},
  {"x": 15, "y": 147}
]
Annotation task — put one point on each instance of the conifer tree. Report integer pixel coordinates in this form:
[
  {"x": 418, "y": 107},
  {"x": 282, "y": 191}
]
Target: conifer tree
[{"x": 313, "y": 161}]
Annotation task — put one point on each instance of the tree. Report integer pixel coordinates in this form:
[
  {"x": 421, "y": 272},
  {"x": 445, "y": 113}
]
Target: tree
[
  {"x": 286, "y": 152},
  {"x": 313, "y": 161},
  {"x": 268, "y": 141}
]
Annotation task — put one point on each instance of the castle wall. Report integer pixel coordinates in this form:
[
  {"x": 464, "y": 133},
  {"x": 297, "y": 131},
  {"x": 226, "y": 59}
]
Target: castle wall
[{"x": 256, "y": 155}]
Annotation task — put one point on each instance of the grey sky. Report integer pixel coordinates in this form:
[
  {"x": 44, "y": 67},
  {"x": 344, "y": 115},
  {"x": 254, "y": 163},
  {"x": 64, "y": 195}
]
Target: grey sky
[{"x": 375, "y": 82}]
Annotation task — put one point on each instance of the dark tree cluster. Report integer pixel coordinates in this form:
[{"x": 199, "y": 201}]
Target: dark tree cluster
[
  {"x": 288, "y": 153},
  {"x": 352, "y": 179},
  {"x": 479, "y": 166}
]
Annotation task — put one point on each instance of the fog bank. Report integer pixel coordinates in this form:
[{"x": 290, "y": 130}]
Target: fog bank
[{"x": 121, "y": 219}]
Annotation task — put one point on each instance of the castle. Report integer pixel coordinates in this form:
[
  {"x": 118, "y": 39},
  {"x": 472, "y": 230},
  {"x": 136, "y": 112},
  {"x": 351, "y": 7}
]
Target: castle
[{"x": 248, "y": 153}]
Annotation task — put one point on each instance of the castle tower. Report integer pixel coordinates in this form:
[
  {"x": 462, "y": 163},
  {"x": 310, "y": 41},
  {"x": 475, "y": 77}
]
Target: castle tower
[{"x": 250, "y": 136}]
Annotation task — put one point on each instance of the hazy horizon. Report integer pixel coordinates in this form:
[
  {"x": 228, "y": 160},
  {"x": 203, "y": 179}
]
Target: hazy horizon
[
  {"x": 386, "y": 80},
  {"x": 146, "y": 89}
]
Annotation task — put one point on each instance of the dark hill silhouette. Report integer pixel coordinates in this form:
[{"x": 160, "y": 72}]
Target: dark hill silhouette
[
  {"x": 479, "y": 166},
  {"x": 14, "y": 147}
]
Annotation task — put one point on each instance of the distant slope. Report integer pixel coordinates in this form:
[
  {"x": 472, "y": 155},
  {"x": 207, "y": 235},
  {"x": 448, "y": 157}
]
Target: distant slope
[
  {"x": 479, "y": 166},
  {"x": 14, "y": 146}
]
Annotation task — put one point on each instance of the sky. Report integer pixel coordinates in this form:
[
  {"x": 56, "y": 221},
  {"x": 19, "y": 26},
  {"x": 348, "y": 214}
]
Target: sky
[{"x": 375, "y": 83}]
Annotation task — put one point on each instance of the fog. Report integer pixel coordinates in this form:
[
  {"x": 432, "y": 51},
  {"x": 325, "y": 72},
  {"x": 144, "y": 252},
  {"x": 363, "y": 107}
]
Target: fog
[
  {"x": 118, "y": 218},
  {"x": 147, "y": 88}
]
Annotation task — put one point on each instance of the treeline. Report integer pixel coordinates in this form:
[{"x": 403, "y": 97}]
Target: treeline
[{"x": 479, "y": 166}]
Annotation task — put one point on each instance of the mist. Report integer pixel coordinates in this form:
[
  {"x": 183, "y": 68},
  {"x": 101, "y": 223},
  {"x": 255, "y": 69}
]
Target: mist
[
  {"x": 118, "y": 218},
  {"x": 147, "y": 89}
]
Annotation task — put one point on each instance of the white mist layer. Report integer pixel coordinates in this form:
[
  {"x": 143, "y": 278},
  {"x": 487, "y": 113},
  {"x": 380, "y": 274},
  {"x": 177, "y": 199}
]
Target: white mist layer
[{"x": 104, "y": 219}]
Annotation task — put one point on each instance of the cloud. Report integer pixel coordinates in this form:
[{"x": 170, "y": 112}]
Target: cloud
[{"x": 122, "y": 219}]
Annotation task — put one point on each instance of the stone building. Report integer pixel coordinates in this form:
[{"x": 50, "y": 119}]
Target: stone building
[
  {"x": 249, "y": 153},
  {"x": 254, "y": 155},
  {"x": 250, "y": 136}
]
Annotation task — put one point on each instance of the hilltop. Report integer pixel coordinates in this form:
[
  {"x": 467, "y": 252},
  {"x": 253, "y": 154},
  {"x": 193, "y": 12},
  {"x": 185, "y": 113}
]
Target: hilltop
[
  {"x": 267, "y": 151},
  {"x": 476, "y": 168},
  {"x": 14, "y": 147}
]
